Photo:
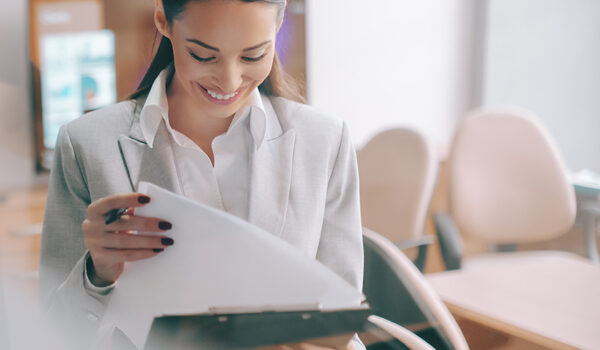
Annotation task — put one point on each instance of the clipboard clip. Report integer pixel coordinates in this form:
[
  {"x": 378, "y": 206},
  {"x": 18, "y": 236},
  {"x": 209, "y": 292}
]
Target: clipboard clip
[{"x": 224, "y": 310}]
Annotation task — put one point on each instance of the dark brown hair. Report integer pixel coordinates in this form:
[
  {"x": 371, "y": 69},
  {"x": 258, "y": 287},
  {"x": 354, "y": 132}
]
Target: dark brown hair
[{"x": 278, "y": 83}]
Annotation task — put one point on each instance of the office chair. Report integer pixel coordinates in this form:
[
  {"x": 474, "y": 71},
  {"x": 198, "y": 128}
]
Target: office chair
[
  {"x": 398, "y": 292},
  {"x": 398, "y": 171},
  {"x": 406, "y": 337},
  {"x": 507, "y": 185}
]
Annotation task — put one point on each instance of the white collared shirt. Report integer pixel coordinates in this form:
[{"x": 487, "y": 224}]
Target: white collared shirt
[{"x": 223, "y": 186}]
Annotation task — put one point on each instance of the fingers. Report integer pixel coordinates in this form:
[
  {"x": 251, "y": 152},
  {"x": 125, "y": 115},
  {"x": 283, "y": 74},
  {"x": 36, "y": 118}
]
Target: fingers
[
  {"x": 107, "y": 260},
  {"x": 119, "y": 235},
  {"x": 129, "y": 241},
  {"x": 125, "y": 255},
  {"x": 138, "y": 223},
  {"x": 102, "y": 206}
]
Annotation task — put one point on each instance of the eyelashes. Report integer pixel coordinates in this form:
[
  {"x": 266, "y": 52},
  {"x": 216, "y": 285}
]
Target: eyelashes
[
  {"x": 254, "y": 59},
  {"x": 201, "y": 59},
  {"x": 209, "y": 59}
]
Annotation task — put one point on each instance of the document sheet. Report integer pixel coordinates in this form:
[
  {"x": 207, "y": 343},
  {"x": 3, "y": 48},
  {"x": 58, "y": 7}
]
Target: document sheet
[{"x": 218, "y": 262}]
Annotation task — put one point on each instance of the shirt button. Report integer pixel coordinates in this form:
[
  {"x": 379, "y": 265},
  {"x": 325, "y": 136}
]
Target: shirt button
[{"x": 92, "y": 317}]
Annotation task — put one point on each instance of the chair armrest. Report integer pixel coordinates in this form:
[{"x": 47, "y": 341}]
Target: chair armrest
[
  {"x": 450, "y": 242},
  {"x": 422, "y": 243},
  {"x": 408, "y": 338},
  {"x": 421, "y": 292},
  {"x": 415, "y": 242}
]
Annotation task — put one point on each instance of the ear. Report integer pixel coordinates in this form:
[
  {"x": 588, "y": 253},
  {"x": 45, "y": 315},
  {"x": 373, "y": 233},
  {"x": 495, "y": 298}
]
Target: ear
[{"x": 160, "y": 19}]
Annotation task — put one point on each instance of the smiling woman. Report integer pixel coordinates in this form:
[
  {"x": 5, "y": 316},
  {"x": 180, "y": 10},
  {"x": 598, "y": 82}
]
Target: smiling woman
[
  {"x": 277, "y": 83},
  {"x": 223, "y": 48},
  {"x": 213, "y": 120}
]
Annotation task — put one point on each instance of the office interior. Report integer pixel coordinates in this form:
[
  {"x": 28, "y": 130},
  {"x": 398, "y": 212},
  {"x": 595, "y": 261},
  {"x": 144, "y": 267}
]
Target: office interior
[{"x": 424, "y": 67}]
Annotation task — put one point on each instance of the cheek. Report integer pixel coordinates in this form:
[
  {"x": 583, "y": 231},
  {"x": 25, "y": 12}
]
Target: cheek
[
  {"x": 187, "y": 67},
  {"x": 260, "y": 71},
  {"x": 184, "y": 64}
]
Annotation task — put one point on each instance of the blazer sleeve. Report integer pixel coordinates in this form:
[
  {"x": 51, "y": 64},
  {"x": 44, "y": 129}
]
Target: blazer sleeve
[
  {"x": 340, "y": 246},
  {"x": 63, "y": 254}
]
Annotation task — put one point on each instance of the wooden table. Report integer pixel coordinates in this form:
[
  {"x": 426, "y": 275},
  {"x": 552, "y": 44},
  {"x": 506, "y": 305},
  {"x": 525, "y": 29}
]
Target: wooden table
[
  {"x": 21, "y": 216},
  {"x": 550, "y": 299}
]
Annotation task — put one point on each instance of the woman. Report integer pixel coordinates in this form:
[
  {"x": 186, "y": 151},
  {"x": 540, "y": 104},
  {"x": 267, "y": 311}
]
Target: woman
[{"x": 210, "y": 121}]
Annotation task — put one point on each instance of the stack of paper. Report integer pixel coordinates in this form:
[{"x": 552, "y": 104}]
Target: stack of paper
[{"x": 218, "y": 262}]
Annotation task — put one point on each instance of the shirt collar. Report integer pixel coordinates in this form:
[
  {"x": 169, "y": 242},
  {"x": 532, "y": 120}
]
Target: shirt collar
[{"x": 156, "y": 110}]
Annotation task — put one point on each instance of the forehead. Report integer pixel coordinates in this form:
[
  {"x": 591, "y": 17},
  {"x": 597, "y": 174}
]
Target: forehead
[{"x": 227, "y": 24}]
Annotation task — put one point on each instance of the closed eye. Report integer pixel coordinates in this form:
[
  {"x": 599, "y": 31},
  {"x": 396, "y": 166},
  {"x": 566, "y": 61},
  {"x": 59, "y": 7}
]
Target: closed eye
[
  {"x": 254, "y": 59},
  {"x": 201, "y": 59}
]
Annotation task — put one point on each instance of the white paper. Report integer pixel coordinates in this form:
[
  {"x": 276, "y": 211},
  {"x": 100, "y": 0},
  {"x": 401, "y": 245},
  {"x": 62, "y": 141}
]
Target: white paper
[{"x": 218, "y": 260}]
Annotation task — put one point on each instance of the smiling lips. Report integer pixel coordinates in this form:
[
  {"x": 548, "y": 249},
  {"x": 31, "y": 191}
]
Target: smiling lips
[{"x": 220, "y": 97}]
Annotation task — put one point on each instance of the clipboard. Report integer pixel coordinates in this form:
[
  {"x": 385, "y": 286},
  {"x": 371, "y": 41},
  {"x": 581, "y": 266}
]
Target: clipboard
[
  {"x": 236, "y": 265},
  {"x": 252, "y": 330}
]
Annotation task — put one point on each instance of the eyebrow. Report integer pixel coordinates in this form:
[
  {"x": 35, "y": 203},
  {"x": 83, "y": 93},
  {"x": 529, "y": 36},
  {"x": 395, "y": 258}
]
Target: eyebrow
[{"x": 205, "y": 45}]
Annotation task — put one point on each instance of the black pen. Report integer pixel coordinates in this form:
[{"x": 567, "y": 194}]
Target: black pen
[{"x": 114, "y": 215}]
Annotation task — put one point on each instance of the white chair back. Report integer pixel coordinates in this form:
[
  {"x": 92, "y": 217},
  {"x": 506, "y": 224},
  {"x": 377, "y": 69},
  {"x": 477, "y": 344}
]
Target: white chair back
[
  {"x": 507, "y": 180},
  {"x": 408, "y": 338},
  {"x": 421, "y": 291},
  {"x": 398, "y": 170}
]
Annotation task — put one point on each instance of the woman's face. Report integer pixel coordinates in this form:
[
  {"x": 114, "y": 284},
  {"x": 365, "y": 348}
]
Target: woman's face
[{"x": 222, "y": 51}]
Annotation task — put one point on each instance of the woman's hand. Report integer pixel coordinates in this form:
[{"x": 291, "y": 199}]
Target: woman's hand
[{"x": 112, "y": 245}]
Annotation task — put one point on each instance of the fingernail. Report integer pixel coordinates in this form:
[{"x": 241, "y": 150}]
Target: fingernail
[
  {"x": 157, "y": 250},
  {"x": 164, "y": 225},
  {"x": 143, "y": 199},
  {"x": 167, "y": 241}
]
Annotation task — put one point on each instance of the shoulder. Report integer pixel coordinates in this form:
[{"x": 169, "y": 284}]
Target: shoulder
[
  {"x": 105, "y": 122},
  {"x": 292, "y": 113},
  {"x": 113, "y": 119},
  {"x": 309, "y": 122}
]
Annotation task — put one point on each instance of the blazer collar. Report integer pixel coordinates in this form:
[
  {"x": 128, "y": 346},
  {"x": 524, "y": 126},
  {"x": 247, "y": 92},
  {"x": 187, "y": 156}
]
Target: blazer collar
[
  {"x": 155, "y": 110},
  {"x": 270, "y": 167},
  {"x": 144, "y": 163},
  {"x": 273, "y": 127},
  {"x": 271, "y": 173}
]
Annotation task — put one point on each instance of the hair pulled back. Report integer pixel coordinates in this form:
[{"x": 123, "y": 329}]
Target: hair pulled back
[{"x": 278, "y": 83}]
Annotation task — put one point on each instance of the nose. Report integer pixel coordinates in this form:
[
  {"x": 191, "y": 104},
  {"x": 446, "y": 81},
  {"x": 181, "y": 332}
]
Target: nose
[{"x": 229, "y": 77}]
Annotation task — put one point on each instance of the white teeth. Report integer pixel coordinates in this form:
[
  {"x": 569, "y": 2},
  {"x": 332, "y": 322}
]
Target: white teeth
[{"x": 219, "y": 96}]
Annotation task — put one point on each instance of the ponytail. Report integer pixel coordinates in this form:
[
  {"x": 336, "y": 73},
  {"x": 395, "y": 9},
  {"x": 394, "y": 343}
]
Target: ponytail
[
  {"x": 280, "y": 83},
  {"x": 162, "y": 58}
]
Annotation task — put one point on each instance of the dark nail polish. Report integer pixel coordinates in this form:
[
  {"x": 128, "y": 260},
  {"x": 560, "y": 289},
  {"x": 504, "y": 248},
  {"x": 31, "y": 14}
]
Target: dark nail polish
[
  {"x": 143, "y": 199},
  {"x": 164, "y": 225},
  {"x": 157, "y": 250},
  {"x": 167, "y": 241}
]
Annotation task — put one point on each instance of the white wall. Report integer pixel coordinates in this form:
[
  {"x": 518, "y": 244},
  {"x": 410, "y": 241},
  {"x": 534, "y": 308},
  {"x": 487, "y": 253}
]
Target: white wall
[
  {"x": 545, "y": 55},
  {"x": 386, "y": 62},
  {"x": 16, "y": 131},
  {"x": 375, "y": 63}
]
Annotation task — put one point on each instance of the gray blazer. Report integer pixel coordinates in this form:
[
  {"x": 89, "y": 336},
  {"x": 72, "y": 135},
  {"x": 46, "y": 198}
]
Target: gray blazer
[{"x": 303, "y": 188}]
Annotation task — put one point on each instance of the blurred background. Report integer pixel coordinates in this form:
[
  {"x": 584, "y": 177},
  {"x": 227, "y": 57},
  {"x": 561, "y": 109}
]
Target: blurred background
[
  {"x": 374, "y": 64},
  {"x": 377, "y": 64}
]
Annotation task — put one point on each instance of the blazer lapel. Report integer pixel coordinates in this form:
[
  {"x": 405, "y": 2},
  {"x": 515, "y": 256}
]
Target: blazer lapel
[
  {"x": 142, "y": 163},
  {"x": 271, "y": 175},
  {"x": 270, "y": 168}
]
